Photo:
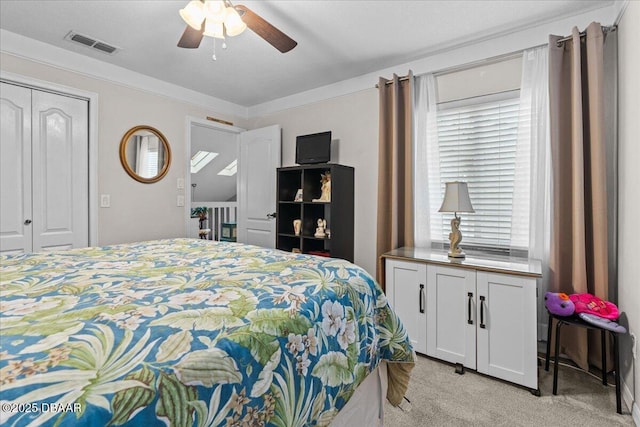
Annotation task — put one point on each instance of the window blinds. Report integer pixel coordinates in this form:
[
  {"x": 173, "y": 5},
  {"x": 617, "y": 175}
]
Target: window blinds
[{"x": 477, "y": 144}]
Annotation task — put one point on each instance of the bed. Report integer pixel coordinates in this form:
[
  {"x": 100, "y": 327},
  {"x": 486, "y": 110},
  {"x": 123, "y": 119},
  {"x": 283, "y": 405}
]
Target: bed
[{"x": 194, "y": 332}]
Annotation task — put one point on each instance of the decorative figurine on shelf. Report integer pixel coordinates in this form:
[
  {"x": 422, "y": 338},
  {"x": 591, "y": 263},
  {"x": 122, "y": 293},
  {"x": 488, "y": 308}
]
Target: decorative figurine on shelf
[
  {"x": 322, "y": 224},
  {"x": 326, "y": 188},
  {"x": 298, "y": 197},
  {"x": 297, "y": 226}
]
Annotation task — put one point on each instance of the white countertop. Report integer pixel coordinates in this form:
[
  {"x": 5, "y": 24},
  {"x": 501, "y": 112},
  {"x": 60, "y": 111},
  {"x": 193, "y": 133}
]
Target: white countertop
[{"x": 494, "y": 263}]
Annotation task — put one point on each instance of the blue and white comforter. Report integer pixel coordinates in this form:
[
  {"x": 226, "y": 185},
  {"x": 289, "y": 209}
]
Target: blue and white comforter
[{"x": 188, "y": 332}]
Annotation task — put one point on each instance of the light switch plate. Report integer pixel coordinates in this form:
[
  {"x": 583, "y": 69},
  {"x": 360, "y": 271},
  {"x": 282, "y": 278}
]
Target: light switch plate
[
  {"x": 180, "y": 200},
  {"x": 180, "y": 183},
  {"x": 105, "y": 200}
]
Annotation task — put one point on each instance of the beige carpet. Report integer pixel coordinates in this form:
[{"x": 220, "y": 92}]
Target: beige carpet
[{"x": 440, "y": 397}]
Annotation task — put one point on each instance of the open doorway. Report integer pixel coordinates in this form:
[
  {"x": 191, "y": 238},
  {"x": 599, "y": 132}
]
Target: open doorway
[
  {"x": 258, "y": 155},
  {"x": 212, "y": 184}
]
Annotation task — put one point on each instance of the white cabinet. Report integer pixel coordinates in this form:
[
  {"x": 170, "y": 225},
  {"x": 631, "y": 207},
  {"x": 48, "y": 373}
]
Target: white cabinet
[
  {"x": 406, "y": 291},
  {"x": 480, "y": 313}
]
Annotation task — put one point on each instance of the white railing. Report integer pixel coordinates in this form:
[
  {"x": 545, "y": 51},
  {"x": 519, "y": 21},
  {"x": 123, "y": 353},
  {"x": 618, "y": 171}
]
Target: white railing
[{"x": 218, "y": 213}]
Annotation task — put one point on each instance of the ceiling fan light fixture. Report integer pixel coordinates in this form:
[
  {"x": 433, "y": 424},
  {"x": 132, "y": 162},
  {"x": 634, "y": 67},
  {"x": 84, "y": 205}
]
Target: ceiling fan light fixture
[
  {"x": 193, "y": 14},
  {"x": 233, "y": 23},
  {"x": 215, "y": 11},
  {"x": 214, "y": 29}
]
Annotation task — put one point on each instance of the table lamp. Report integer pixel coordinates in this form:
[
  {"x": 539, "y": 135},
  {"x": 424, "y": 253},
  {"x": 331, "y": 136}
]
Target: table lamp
[{"x": 456, "y": 199}]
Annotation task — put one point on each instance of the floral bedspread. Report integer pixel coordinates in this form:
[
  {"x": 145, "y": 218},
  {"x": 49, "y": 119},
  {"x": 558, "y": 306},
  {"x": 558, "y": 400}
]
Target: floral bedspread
[{"x": 187, "y": 332}]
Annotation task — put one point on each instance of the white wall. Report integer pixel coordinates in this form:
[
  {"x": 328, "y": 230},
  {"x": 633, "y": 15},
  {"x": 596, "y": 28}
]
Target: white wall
[
  {"x": 353, "y": 120},
  {"x": 629, "y": 196},
  {"x": 138, "y": 211}
]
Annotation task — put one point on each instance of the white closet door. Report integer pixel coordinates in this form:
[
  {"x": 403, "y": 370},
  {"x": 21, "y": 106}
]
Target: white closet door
[
  {"x": 60, "y": 172},
  {"x": 15, "y": 169}
]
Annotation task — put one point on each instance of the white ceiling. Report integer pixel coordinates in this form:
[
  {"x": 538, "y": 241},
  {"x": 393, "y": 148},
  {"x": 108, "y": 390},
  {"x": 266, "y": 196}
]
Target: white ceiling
[{"x": 337, "y": 40}]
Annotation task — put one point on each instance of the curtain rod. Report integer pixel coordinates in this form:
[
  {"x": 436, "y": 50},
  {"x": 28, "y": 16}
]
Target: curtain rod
[
  {"x": 389, "y": 82},
  {"x": 605, "y": 30}
]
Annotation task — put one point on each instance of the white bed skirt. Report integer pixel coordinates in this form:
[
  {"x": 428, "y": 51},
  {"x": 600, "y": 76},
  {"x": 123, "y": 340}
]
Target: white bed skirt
[{"x": 366, "y": 406}]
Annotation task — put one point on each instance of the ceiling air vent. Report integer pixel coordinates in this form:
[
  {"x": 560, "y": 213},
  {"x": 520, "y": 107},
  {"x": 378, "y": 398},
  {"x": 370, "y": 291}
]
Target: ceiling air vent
[{"x": 91, "y": 42}]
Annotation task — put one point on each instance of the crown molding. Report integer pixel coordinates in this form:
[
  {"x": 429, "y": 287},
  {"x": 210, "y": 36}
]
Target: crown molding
[
  {"x": 43, "y": 53},
  {"x": 620, "y": 7}
]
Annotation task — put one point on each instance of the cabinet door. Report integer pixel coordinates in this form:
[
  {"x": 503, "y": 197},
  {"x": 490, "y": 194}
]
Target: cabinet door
[
  {"x": 451, "y": 329},
  {"x": 507, "y": 328},
  {"x": 405, "y": 288}
]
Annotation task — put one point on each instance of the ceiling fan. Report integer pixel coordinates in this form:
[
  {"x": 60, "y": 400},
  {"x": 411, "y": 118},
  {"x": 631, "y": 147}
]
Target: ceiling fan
[{"x": 220, "y": 18}]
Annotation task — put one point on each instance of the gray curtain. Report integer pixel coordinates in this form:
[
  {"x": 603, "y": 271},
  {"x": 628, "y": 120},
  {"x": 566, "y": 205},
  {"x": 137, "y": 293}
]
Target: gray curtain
[
  {"x": 395, "y": 167},
  {"x": 582, "y": 222}
]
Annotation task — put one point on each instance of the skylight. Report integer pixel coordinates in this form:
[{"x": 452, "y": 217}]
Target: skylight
[
  {"x": 201, "y": 159},
  {"x": 231, "y": 169}
]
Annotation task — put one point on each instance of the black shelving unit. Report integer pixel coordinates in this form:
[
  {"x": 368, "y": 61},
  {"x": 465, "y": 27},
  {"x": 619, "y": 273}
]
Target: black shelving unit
[{"x": 338, "y": 213}]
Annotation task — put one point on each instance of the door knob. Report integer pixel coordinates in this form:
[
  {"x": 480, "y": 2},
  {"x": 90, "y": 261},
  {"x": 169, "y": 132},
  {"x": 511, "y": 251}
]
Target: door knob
[
  {"x": 27, "y": 221},
  {"x": 271, "y": 215}
]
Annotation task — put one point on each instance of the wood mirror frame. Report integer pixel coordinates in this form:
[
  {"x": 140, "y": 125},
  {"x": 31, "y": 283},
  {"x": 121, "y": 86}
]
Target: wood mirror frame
[{"x": 129, "y": 164}]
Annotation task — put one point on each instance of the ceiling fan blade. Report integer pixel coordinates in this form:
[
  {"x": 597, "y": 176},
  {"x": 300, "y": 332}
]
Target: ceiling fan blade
[
  {"x": 191, "y": 38},
  {"x": 271, "y": 34}
]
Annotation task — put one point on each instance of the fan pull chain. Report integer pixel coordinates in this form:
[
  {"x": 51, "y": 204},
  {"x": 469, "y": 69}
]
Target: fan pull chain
[{"x": 214, "y": 50}]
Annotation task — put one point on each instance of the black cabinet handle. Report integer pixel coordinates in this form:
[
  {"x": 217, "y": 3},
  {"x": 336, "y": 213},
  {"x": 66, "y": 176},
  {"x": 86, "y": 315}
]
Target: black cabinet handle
[
  {"x": 482, "y": 325},
  {"x": 470, "y": 297},
  {"x": 421, "y": 297}
]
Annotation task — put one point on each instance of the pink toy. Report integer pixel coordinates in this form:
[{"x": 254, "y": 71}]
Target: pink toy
[
  {"x": 591, "y": 304},
  {"x": 559, "y": 303}
]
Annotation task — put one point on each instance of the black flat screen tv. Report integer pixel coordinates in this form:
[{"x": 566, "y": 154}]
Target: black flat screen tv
[{"x": 314, "y": 148}]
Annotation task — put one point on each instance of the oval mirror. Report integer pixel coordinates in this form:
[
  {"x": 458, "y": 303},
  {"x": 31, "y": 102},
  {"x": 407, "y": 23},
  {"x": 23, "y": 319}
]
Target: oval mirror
[{"x": 145, "y": 154}]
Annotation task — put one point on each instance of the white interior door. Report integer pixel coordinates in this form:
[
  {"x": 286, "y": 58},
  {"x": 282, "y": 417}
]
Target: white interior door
[
  {"x": 260, "y": 155},
  {"x": 60, "y": 171},
  {"x": 15, "y": 169},
  {"x": 45, "y": 171}
]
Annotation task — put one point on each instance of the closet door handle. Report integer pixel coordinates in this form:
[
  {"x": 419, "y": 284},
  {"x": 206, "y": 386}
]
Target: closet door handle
[
  {"x": 470, "y": 297},
  {"x": 421, "y": 298},
  {"x": 27, "y": 221},
  {"x": 482, "y": 325}
]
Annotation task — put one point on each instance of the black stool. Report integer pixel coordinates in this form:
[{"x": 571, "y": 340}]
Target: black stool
[{"x": 577, "y": 321}]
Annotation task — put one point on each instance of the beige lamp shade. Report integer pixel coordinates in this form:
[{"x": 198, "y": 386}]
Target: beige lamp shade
[{"x": 456, "y": 198}]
